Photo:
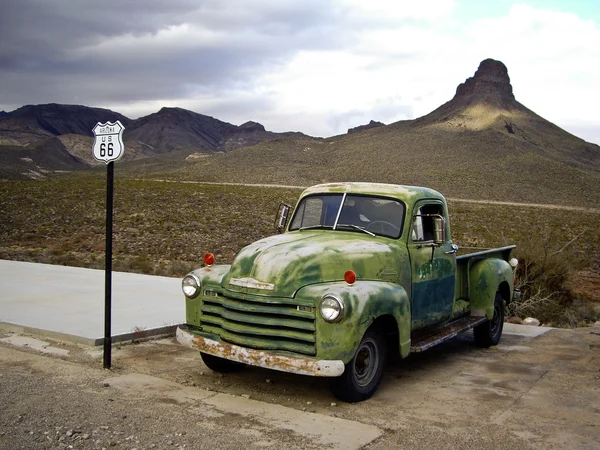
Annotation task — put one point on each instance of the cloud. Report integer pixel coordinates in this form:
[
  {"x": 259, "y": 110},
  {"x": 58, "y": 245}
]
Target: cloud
[
  {"x": 318, "y": 66},
  {"x": 147, "y": 51}
]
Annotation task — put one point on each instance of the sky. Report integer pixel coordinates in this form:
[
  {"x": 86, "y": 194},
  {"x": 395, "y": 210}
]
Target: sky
[{"x": 316, "y": 66}]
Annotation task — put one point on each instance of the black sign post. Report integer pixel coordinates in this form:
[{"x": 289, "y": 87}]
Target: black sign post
[
  {"x": 108, "y": 147},
  {"x": 110, "y": 178}
]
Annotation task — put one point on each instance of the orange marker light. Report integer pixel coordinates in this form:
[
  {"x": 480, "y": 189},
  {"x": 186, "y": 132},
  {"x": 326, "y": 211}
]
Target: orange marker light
[
  {"x": 350, "y": 277},
  {"x": 209, "y": 259}
]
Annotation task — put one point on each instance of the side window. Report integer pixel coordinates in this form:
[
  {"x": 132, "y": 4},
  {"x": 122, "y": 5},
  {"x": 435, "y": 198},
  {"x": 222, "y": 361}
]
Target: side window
[
  {"x": 310, "y": 214},
  {"x": 423, "y": 222}
]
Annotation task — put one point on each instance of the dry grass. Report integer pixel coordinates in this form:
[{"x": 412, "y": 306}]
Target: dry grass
[
  {"x": 159, "y": 228},
  {"x": 489, "y": 164},
  {"x": 165, "y": 229}
]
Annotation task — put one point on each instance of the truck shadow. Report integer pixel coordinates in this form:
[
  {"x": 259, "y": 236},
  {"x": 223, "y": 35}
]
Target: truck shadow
[{"x": 290, "y": 389}]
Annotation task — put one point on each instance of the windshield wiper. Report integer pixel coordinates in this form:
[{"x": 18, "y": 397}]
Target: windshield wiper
[
  {"x": 314, "y": 227},
  {"x": 356, "y": 227}
]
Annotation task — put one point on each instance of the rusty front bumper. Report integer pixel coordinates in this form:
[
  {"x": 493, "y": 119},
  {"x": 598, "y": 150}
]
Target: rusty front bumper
[{"x": 283, "y": 363}]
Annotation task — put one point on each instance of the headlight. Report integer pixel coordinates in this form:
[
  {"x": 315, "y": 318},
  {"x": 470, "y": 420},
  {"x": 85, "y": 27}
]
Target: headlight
[
  {"x": 332, "y": 308},
  {"x": 190, "y": 285}
]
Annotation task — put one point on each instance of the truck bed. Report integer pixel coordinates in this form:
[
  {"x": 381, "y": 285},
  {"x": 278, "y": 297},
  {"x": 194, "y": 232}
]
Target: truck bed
[{"x": 464, "y": 263}]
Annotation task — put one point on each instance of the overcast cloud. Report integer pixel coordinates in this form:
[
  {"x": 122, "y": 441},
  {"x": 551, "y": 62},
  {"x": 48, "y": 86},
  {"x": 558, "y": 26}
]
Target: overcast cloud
[{"x": 317, "y": 66}]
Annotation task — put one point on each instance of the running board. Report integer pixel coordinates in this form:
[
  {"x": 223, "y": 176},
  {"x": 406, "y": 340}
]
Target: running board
[{"x": 448, "y": 332}]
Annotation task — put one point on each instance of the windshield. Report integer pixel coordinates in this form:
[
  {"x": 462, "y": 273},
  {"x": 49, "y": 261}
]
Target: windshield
[{"x": 360, "y": 213}]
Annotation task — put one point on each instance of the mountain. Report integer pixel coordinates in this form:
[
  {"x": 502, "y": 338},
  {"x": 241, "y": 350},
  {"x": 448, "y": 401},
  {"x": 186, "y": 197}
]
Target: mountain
[
  {"x": 168, "y": 130},
  {"x": 486, "y": 102},
  {"x": 33, "y": 122},
  {"x": 481, "y": 144},
  {"x": 371, "y": 124},
  {"x": 44, "y": 157},
  {"x": 174, "y": 129}
]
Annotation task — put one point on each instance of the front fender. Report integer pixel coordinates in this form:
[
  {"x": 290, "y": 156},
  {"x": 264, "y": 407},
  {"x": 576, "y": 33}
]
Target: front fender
[
  {"x": 485, "y": 279},
  {"x": 364, "y": 302}
]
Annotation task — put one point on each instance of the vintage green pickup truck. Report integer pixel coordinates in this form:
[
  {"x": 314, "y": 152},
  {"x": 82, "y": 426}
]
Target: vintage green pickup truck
[{"x": 361, "y": 271}]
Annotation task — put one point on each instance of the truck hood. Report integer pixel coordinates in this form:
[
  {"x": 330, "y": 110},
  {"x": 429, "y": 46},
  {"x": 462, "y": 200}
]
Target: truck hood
[{"x": 280, "y": 265}]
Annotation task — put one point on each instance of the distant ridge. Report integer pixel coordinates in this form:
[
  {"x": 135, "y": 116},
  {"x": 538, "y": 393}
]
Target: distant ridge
[
  {"x": 32, "y": 122},
  {"x": 371, "y": 124},
  {"x": 174, "y": 129},
  {"x": 168, "y": 130},
  {"x": 33, "y": 161},
  {"x": 481, "y": 144}
]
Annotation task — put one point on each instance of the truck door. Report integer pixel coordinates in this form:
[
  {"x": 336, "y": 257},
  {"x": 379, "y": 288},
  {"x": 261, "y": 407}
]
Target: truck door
[{"x": 433, "y": 267}]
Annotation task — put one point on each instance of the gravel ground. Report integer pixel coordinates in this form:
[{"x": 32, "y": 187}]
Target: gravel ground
[
  {"x": 527, "y": 393},
  {"x": 49, "y": 403}
]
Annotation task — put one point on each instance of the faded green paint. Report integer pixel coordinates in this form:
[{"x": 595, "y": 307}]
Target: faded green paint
[
  {"x": 486, "y": 276},
  {"x": 296, "y": 259},
  {"x": 365, "y": 301},
  {"x": 460, "y": 308},
  {"x": 433, "y": 273},
  {"x": 268, "y": 298}
]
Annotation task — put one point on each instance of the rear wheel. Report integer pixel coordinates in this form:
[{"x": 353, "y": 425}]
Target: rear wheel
[
  {"x": 363, "y": 373},
  {"x": 489, "y": 332},
  {"x": 220, "y": 365}
]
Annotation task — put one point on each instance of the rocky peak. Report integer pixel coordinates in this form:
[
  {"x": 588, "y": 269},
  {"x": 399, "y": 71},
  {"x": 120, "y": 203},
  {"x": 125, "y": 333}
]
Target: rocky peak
[
  {"x": 251, "y": 126},
  {"x": 371, "y": 124},
  {"x": 490, "y": 84}
]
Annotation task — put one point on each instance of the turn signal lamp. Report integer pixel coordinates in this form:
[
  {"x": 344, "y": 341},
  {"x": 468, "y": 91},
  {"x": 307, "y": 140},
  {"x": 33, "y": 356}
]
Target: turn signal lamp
[
  {"x": 350, "y": 277},
  {"x": 209, "y": 259}
]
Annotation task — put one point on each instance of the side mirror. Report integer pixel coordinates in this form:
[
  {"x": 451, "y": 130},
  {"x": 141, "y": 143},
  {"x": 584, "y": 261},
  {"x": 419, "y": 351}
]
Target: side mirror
[
  {"x": 282, "y": 217},
  {"x": 439, "y": 230}
]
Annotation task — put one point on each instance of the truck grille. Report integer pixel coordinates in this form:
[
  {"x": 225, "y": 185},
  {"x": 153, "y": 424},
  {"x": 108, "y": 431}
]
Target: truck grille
[{"x": 266, "y": 324}]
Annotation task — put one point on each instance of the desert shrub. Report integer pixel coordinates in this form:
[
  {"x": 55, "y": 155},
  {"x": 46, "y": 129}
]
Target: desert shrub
[
  {"x": 139, "y": 264},
  {"x": 179, "y": 268},
  {"x": 542, "y": 276}
]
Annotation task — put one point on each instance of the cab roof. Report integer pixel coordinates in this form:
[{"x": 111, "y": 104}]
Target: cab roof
[{"x": 406, "y": 193}]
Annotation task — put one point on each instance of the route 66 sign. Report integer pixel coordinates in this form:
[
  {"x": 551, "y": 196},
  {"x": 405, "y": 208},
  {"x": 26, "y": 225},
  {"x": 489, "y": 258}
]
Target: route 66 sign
[{"x": 108, "y": 141}]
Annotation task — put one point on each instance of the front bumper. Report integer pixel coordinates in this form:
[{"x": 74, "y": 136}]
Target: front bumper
[{"x": 253, "y": 357}]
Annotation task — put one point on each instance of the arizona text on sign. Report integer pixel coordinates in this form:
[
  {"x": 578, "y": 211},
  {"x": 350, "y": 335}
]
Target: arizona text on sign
[{"x": 108, "y": 141}]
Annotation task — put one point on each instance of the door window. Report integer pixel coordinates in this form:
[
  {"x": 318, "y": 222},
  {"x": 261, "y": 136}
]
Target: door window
[{"x": 422, "y": 230}]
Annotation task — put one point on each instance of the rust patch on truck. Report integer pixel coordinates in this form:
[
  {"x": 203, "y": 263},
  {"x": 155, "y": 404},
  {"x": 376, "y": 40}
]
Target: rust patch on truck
[{"x": 253, "y": 357}]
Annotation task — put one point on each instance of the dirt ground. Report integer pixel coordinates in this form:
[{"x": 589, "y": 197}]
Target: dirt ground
[{"x": 526, "y": 393}]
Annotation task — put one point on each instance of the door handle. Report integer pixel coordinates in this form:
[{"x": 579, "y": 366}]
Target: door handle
[{"x": 454, "y": 249}]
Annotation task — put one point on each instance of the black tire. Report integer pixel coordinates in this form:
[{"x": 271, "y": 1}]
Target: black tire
[
  {"x": 220, "y": 365},
  {"x": 489, "y": 332},
  {"x": 363, "y": 373}
]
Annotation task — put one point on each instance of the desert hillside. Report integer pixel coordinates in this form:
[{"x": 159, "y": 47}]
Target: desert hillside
[{"x": 482, "y": 144}]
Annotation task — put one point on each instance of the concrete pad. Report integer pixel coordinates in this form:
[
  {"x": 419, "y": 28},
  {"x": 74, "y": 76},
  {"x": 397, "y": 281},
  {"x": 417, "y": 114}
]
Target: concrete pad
[
  {"x": 323, "y": 431},
  {"x": 68, "y": 302},
  {"x": 35, "y": 344},
  {"x": 327, "y": 431},
  {"x": 525, "y": 330}
]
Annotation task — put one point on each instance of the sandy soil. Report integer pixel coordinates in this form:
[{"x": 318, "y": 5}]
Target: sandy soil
[{"x": 525, "y": 393}]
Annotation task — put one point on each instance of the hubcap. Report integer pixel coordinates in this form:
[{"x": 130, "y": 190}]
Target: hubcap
[
  {"x": 366, "y": 362},
  {"x": 496, "y": 321}
]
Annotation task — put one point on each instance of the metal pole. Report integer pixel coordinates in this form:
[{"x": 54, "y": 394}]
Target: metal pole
[{"x": 110, "y": 175}]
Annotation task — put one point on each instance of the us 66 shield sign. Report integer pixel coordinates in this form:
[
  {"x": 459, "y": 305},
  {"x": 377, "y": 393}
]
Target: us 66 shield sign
[{"x": 108, "y": 141}]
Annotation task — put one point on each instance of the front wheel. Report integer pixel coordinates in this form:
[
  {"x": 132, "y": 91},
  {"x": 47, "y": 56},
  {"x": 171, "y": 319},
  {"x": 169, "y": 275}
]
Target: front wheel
[
  {"x": 220, "y": 365},
  {"x": 489, "y": 332},
  {"x": 363, "y": 373}
]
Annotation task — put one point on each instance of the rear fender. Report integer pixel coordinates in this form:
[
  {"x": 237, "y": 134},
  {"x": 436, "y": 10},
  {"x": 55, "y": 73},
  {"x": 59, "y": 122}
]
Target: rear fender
[
  {"x": 364, "y": 302},
  {"x": 486, "y": 277}
]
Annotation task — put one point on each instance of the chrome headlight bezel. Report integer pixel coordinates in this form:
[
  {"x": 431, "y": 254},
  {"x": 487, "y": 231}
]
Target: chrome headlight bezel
[
  {"x": 190, "y": 281},
  {"x": 331, "y": 308}
]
